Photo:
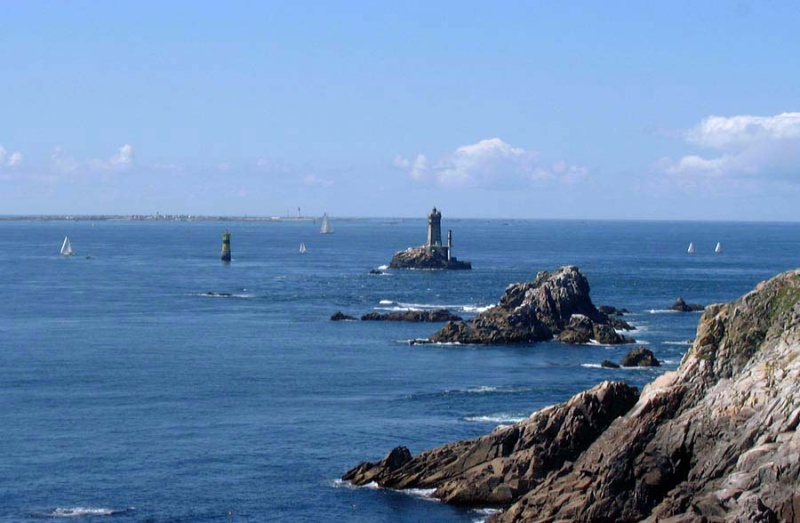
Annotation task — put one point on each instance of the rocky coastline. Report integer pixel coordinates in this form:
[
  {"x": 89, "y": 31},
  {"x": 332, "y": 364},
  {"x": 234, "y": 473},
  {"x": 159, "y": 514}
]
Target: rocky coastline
[
  {"x": 554, "y": 305},
  {"x": 715, "y": 440}
]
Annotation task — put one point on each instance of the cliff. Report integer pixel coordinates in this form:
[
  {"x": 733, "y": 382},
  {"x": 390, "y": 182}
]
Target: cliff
[
  {"x": 554, "y": 304},
  {"x": 715, "y": 440}
]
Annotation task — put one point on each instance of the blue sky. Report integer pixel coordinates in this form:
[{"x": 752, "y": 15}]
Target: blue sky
[{"x": 531, "y": 109}]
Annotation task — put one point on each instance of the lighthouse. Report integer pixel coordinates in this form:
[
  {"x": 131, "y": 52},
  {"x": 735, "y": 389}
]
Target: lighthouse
[
  {"x": 226, "y": 246},
  {"x": 434, "y": 230}
]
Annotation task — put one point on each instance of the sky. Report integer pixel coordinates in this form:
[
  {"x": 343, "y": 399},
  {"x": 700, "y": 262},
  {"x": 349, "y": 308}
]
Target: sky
[{"x": 665, "y": 110}]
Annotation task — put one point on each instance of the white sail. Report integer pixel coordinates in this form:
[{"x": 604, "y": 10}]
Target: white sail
[
  {"x": 326, "y": 225},
  {"x": 66, "y": 247},
  {"x": 303, "y": 249},
  {"x": 690, "y": 250},
  {"x": 718, "y": 248}
]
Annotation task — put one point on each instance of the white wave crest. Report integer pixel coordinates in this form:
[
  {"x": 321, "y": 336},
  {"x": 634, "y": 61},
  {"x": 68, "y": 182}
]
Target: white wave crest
[
  {"x": 681, "y": 343},
  {"x": 662, "y": 311},
  {"x": 78, "y": 512},
  {"x": 391, "y": 305},
  {"x": 382, "y": 267},
  {"x": 484, "y": 514},
  {"x": 497, "y": 418}
]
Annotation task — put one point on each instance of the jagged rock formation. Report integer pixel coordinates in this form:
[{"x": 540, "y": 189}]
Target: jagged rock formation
[
  {"x": 555, "y": 304},
  {"x": 682, "y": 306},
  {"x": 716, "y": 440},
  {"x": 501, "y": 466},
  {"x": 439, "y": 315},
  {"x": 426, "y": 258}
]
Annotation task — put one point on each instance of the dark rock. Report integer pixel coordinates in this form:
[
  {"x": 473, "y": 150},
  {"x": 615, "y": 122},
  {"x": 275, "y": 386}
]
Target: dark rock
[
  {"x": 375, "y": 271},
  {"x": 425, "y": 258},
  {"x": 499, "y": 467},
  {"x": 340, "y": 316},
  {"x": 682, "y": 306},
  {"x": 608, "y": 310},
  {"x": 439, "y": 315},
  {"x": 606, "y": 364},
  {"x": 554, "y": 305},
  {"x": 640, "y": 357}
]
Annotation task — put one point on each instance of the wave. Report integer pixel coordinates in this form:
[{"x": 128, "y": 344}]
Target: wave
[
  {"x": 395, "y": 306},
  {"x": 598, "y": 366},
  {"x": 382, "y": 267},
  {"x": 78, "y": 512},
  {"x": 497, "y": 418},
  {"x": 214, "y": 294},
  {"x": 662, "y": 311},
  {"x": 484, "y": 514},
  {"x": 422, "y": 493},
  {"x": 681, "y": 343}
]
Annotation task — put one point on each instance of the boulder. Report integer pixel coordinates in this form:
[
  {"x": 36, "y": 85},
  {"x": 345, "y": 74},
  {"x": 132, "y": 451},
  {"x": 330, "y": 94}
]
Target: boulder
[
  {"x": 607, "y": 364},
  {"x": 640, "y": 357},
  {"x": 554, "y": 305}
]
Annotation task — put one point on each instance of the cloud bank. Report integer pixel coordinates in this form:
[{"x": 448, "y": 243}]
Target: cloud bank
[
  {"x": 490, "y": 163},
  {"x": 766, "y": 147}
]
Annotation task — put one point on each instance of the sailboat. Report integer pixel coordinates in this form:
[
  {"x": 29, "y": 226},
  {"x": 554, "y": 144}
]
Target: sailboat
[
  {"x": 718, "y": 248},
  {"x": 303, "y": 249},
  {"x": 690, "y": 250},
  {"x": 66, "y": 247},
  {"x": 326, "y": 225}
]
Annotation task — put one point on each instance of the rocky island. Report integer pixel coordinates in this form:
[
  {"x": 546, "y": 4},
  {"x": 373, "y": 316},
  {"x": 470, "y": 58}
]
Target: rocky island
[
  {"x": 553, "y": 305},
  {"x": 434, "y": 254},
  {"x": 715, "y": 440}
]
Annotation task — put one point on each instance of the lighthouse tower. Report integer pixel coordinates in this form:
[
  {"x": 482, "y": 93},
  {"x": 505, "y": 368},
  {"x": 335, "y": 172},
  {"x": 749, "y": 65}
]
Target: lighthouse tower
[
  {"x": 226, "y": 246},
  {"x": 434, "y": 230}
]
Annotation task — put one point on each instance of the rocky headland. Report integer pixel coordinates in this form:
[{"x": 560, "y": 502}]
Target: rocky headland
[
  {"x": 556, "y": 304},
  {"x": 426, "y": 258},
  {"x": 715, "y": 440}
]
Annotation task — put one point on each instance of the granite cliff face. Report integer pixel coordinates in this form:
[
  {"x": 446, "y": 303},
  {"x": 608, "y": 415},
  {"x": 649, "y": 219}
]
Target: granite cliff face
[
  {"x": 555, "y": 304},
  {"x": 716, "y": 440}
]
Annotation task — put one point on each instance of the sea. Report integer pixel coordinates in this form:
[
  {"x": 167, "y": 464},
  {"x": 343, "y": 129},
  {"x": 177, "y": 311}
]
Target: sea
[{"x": 143, "y": 380}]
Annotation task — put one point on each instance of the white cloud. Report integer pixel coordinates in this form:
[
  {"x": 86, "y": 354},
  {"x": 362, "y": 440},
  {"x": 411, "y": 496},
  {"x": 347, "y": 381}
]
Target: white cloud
[
  {"x": 10, "y": 160},
  {"x": 747, "y": 146},
  {"x": 62, "y": 162},
  {"x": 490, "y": 163},
  {"x": 320, "y": 182},
  {"x": 123, "y": 159}
]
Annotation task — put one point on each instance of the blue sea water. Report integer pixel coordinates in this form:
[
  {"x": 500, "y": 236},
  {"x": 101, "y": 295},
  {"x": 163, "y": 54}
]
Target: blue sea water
[{"x": 131, "y": 394}]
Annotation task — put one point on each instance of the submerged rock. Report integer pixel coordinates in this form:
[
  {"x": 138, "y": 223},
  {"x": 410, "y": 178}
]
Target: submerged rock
[
  {"x": 715, "y": 440},
  {"x": 554, "y": 305},
  {"x": 340, "y": 316}
]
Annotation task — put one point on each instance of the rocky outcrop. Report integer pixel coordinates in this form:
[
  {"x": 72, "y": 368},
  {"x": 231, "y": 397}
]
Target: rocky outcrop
[
  {"x": 438, "y": 315},
  {"x": 425, "y": 258},
  {"x": 500, "y": 467},
  {"x": 554, "y": 305},
  {"x": 640, "y": 357},
  {"x": 715, "y": 440},
  {"x": 682, "y": 306}
]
